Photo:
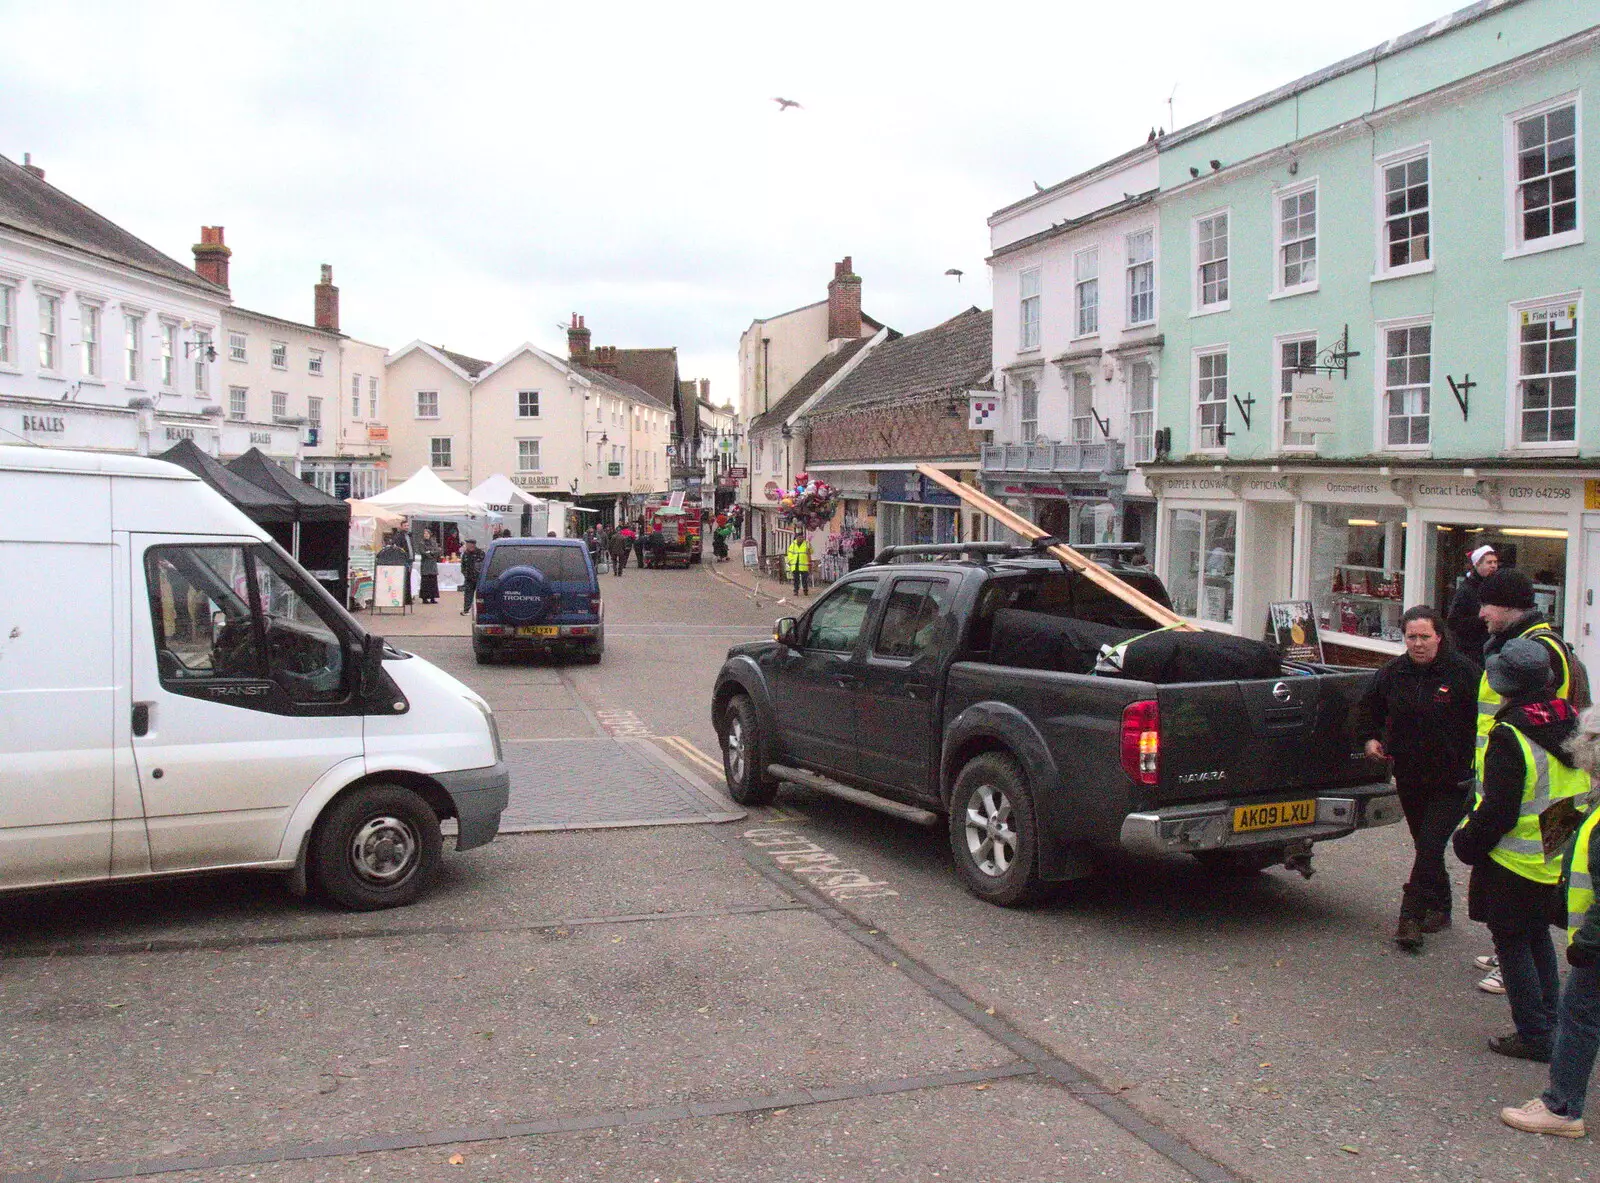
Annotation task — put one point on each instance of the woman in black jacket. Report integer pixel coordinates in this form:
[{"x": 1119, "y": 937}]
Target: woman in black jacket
[{"x": 1421, "y": 712}]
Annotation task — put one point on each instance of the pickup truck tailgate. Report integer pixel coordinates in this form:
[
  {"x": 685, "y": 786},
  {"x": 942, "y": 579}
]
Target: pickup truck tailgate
[{"x": 1239, "y": 739}]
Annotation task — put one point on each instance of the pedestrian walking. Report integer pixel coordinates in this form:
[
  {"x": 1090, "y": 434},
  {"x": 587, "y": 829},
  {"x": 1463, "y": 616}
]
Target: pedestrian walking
[
  {"x": 621, "y": 544},
  {"x": 719, "y": 541},
  {"x": 471, "y": 569},
  {"x": 1559, "y": 1109},
  {"x": 429, "y": 591},
  {"x": 637, "y": 534},
  {"x": 1421, "y": 713},
  {"x": 797, "y": 562},
  {"x": 1523, "y": 769},
  {"x": 1466, "y": 628}
]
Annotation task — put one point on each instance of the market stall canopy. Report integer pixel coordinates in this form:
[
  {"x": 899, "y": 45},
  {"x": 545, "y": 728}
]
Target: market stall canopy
[
  {"x": 263, "y": 506},
  {"x": 426, "y": 496},
  {"x": 313, "y": 505},
  {"x": 386, "y": 518},
  {"x": 498, "y": 490}
]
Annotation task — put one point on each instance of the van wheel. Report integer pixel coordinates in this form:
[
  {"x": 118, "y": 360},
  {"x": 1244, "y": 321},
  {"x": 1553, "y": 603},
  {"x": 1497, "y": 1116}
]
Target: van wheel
[
  {"x": 377, "y": 847},
  {"x": 993, "y": 832},
  {"x": 743, "y": 760}
]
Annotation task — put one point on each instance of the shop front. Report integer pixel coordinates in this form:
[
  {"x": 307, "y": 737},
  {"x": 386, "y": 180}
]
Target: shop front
[
  {"x": 913, "y": 510},
  {"x": 1363, "y": 545}
]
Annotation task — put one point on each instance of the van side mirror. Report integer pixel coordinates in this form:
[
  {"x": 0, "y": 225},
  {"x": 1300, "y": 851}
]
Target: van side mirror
[
  {"x": 787, "y": 633},
  {"x": 371, "y": 664}
]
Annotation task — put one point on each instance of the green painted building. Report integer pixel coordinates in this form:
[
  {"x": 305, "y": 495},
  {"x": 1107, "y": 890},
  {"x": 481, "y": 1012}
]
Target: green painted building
[{"x": 1376, "y": 334}]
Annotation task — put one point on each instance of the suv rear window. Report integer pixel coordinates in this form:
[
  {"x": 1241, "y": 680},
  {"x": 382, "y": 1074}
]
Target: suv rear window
[{"x": 558, "y": 564}]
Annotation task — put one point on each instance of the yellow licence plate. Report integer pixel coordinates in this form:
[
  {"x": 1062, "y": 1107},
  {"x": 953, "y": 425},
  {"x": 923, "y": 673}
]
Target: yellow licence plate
[
  {"x": 1274, "y": 816},
  {"x": 539, "y": 630}
]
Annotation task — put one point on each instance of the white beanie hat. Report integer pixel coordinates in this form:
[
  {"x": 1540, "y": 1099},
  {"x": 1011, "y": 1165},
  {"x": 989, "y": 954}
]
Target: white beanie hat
[{"x": 1477, "y": 556}]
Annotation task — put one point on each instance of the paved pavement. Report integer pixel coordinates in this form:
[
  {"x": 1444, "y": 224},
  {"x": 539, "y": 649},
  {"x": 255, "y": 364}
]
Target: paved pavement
[{"x": 806, "y": 993}]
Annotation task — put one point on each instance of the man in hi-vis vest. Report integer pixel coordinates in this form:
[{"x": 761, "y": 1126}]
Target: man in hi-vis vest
[
  {"x": 1523, "y": 769},
  {"x": 1559, "y": 1110}
]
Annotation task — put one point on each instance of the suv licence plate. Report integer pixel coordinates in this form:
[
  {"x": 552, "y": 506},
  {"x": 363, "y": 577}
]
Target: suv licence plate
[
  {"x": 539, "y": 630},
  {"x": 1275, "y": 816}
]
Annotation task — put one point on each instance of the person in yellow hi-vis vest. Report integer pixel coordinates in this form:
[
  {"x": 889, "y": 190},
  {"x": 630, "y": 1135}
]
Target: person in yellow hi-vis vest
[
  {"x": 797, "y": 562},
  {"x": 1523, "y": 770},
  {"x": 1559, "y": 1109}
]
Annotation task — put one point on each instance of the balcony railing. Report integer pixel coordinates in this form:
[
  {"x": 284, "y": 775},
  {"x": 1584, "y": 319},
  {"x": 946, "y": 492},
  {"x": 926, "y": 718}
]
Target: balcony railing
[{"x": 1039, "y": 457}]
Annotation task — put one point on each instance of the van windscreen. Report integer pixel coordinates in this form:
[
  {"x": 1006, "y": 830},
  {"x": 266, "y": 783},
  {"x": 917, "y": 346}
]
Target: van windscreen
[{"x": 558, "y": 564}]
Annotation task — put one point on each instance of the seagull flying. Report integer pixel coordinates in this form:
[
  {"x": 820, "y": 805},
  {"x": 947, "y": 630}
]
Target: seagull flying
[{"x": 785, "y": 104}]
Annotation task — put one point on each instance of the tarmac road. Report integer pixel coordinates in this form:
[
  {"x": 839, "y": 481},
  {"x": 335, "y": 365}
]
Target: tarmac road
[{"x": 806, "y": 993}]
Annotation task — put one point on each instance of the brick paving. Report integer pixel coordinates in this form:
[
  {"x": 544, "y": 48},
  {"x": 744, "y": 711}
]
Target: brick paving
[{"x": 566, "y": 784}]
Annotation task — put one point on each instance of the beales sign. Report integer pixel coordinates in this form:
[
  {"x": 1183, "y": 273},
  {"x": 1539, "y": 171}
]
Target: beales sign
[{"x": 49, "y": 424}]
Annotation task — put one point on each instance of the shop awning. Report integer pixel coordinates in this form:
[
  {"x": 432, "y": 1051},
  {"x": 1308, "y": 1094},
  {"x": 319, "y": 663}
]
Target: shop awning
[
  {"x": 312, "y": 504},
  {"x": 263, "y": 506}
]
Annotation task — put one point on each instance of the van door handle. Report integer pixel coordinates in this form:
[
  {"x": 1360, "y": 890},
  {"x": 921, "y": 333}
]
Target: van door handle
[{"x": 141, "y": 718}]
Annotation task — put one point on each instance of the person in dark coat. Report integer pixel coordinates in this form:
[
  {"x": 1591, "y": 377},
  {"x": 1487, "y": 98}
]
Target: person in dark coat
[
  {"x": 621, "y": 544},
  {"x": 1421, "y": 713},
  {"x": 429, "y": 592},
  {"x": 1466, "y": 629},
  {"x": 1518, "y": 894},
  {"x": 638, "y": 543},
  {"x": 471, "y": 569}
]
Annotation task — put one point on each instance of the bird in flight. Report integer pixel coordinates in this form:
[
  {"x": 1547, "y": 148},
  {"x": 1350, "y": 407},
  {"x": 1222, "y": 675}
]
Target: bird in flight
[{"x": 785, "y": 104}]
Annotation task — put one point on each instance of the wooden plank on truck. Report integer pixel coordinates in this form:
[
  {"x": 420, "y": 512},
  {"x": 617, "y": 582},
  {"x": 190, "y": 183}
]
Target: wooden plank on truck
[{"x": 1087, "y": 567}]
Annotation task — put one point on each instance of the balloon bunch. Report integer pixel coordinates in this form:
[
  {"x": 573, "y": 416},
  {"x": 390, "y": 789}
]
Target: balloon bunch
[{"x": 810, "y": 503}]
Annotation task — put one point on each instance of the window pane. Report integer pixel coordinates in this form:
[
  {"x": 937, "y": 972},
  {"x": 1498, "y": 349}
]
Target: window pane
[
  {"x": 836, "y": 622},
  {"x": 200, "y": 601}
]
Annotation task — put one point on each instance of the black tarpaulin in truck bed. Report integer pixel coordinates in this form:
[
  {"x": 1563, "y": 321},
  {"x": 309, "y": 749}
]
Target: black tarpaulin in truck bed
[{"x": 1041, "y": 641}]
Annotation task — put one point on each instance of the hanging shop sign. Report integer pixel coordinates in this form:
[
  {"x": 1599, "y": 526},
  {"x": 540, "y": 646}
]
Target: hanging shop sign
[
  {"x": 771, "y": 491},
  {"x": 1293, "y": 625},
  {"x": 1311, "y": 403},
  {"x": 982, "y": 412}
]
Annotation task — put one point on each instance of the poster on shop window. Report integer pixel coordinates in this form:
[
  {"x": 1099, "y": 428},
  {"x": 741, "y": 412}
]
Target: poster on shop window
[{"x": 1292, "y": 626}]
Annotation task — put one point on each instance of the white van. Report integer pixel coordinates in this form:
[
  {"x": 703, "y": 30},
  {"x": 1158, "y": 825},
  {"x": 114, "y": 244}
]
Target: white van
[{"x": 177, "y": 695}]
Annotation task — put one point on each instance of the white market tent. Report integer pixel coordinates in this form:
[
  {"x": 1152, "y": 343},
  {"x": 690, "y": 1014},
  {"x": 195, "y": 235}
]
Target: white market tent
[
  {"x": 424, "y": 495},
  {"x": 498, "y": 490}
]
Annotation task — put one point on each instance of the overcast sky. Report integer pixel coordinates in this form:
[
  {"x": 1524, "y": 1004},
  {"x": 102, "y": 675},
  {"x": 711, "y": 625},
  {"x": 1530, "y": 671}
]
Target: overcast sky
[{"x": 476, "y": 172}]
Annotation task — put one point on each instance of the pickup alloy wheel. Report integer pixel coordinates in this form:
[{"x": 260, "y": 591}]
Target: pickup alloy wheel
[
  {"x": 748, "y": 780},
  {"x": 992, "y": 830}
]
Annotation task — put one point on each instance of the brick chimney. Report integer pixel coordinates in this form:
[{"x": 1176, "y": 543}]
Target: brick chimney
[
  {"x": 705, "y": 389},
  {"x": 27, "y": 163},
  {"x": 578, "y": 341},
  {"x": 211, "y": 256},
  {"x": 327, "y": 302},
  {"x": 604, "y": 359},
  {"x": 844, "y": 302}
]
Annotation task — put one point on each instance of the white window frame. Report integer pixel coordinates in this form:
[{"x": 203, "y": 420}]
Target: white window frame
[
  {"x": 1380, "y": 381},
  {"x": 1025, "y": 395},
  {"x": 1281, "y": 243},
  {"x": 1215, "y": 449},
  {"x": 1514, "y": 377},
  {"x": 238, "y": 347},
  {"x": 9, "y": 287},
  {"x": 314, "y": 414},
  {"x": 538, "y": 454},
  {"x": 448, "y": 452},
  {"x": 1280, "y": 433},
  {"x": 133, "y": 352},
  {"x": 1380, "y": 212},
  {"x": 521, "y": 413},
  {"x": 1030, "y": 309},
  {"x": 280, "y": 355},
  {"x": 1081, "y": 425},
  {"x": 91, "y": 362},
  {"x": 42, "y": 295},
  {"x": 314, "y": 362},
  {"x": 239, "y": 403},
  {"x": 1141, "y": 422},
  {"x": 280, "y": 404},
  {"x": 202, "y": 365},
  {"x": 372, "y": 397},
  {"x": 418, "y": 405},
  {"x": 355, "y": 396},
  {"x": 168, "y": 376},
  {"x": 1515, "y": 245},
  {"x": 1085, "y": 293},
  {"x": 1128, "y": 275},
  {"x": 1197, "y": 307}
]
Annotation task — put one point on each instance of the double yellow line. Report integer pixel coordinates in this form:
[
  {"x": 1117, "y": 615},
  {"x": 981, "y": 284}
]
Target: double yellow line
[{"x": 682, "y": 747}]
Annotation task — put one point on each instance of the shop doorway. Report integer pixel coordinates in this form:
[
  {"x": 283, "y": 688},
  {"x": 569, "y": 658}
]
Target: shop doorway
[{"x": 1540, "y": 553}]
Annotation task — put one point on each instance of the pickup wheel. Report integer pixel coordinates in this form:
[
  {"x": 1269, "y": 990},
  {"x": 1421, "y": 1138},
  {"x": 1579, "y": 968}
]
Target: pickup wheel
[
  {"x": 377, "y": 847},
  {"x": 743, "y": 758},
  {"x": 993, "y": 833}
]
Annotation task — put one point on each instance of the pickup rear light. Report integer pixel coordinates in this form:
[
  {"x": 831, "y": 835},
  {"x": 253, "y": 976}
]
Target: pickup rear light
[{"x": 1141, "y": 742}]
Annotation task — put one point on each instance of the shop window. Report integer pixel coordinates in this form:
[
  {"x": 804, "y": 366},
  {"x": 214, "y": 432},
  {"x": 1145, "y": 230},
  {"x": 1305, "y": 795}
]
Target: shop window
[
  {"x": 1541, "y": 553},
  {"x": 1294, "y": 357},
  {"x": 1201, "y": 564},
  {"x": 1407, "y": 380},
  {"x": 1357, "y": 574},
  {"x": 1547, "y": 374}
]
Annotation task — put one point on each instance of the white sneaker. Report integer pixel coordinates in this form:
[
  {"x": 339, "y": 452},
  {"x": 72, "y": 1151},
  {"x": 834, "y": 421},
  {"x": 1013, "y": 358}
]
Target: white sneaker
[
  {"x": 1486, "y": 962},
  {"x": 1492, "y": 983},
  {"x": 1534, "y": 1118}
]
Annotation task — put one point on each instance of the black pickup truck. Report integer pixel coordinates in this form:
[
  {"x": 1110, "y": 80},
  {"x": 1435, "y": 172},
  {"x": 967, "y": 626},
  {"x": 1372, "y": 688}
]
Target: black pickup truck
[{"x": 893, "y": 684}]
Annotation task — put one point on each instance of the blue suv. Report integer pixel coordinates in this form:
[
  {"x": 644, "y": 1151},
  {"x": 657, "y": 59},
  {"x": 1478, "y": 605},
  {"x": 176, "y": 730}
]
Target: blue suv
[{"x": 538, "y": 595}]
